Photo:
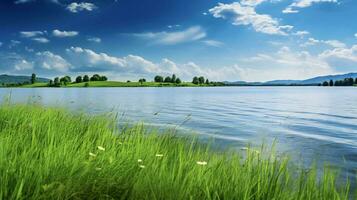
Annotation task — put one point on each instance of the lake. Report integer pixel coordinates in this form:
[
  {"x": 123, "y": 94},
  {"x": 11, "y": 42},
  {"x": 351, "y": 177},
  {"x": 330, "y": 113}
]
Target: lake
[{"x": 308, "y": 123}]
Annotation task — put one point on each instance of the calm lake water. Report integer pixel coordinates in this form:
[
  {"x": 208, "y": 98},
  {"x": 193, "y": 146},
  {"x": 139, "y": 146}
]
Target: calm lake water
[{"x": 309, "y": 123}]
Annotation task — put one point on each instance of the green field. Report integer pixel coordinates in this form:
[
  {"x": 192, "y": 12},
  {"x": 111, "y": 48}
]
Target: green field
[
  {"x": 120, "y": 84},
  {"x": 50, "y": 153}
]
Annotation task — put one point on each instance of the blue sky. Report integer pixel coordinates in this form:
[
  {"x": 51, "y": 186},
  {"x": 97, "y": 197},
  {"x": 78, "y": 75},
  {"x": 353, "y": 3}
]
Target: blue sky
[{"x": 250, "y": 40}]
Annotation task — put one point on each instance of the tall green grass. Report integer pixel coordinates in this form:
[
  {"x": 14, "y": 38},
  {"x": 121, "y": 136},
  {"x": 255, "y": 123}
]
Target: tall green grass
[{"x": 49, "y": 153}]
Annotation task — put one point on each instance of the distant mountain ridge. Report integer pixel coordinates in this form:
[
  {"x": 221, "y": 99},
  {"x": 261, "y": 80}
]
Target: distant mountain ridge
[
  {"x": 8, "y": 79},
  {"x": 311, "y": 81}
]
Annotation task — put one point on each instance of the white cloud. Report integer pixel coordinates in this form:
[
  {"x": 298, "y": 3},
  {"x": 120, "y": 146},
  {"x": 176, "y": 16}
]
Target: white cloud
[
  {"x": 62, "y": 34},
  {"x": 76, "y": 7},
  {"x": 22, "y": 1},
  {"x": 356, "y": 35},
  {"x": 95, "y": 39},
  {"x": 341, "y": 53},
  {"x": 213, "y": 43},
  {"x": 49, "y": 61},
  {"x": 169, "y": 38},
  {"x": 23, "y": 64},
  {"x": 174, "y": 26},
  {"x": 292, "y": 8},
  {"x": 301, "y": 33},
  {"x": 41, "y": 40},
  {"x": 251, "y": 2},
  {"x": 134, "y": 66},
  {"x": 332, "y": 43},
  {"x": 245, "y": 14},
  {"x": 29, "y": 34},
  {"x": 285, "y": 64}
]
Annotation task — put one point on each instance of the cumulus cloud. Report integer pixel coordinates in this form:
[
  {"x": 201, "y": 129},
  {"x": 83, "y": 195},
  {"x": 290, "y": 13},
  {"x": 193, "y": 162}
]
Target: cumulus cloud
[
  {"x": 244, "y": 13},
  {"x": 132, "y": 65},
  {"x": 285, "y": 64},
  {"x": 58, "y": 33},
  {"x": 341, "y": 53},
  {"x": 83, "y": 6},
  {"x": 95, "y": 39},
  {"x": 23, "y": 65},
  {"x": 332, "y": 43},
  {"x": 49, "y": 61},
  {"x": 293, "y": 8},
  {"x": 170, "y": 38}
]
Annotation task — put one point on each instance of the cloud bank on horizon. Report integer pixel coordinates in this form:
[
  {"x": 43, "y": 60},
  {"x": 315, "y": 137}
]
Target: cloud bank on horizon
[{"x": 250, "y": 40}]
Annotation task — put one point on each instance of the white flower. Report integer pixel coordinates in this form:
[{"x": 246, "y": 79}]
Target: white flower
[
  {"x": 101, "y": 148},
  {"x": 201, "y": 162},
  {"x": 159, "y": 155},
  {"x": 139, "y": 160},
  {"x": 92, "y": 154},
  {"x": 142, "y": 166}
]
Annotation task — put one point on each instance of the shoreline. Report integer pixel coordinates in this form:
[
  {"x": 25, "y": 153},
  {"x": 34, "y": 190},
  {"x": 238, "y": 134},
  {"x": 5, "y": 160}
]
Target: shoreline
[{"x": 86, "y": 156}]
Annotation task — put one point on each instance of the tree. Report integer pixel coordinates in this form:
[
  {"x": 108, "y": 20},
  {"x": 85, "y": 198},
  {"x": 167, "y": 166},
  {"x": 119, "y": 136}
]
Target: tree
[
  {"x": 79, "y": 79},
  {"x": 178, "y": 81},
  {"x": 85, "y": 78},
  {"x": 33, "y": 78},
  {"x": 201, "y": 80},
  {"x": 207, "y": 81},
  {"x": 167, "y": 79},
  {"x": 142, "y": 80},
  {"x": 95, "y": 77},
  {"x": 159, "y": 79},
  {"x": 65, "y": 80},
  {"x": 173, "y": 78},
  {"x": 103, "y": 78},
  {"x": 195, "y": 80},
  {"x": 331, "y": 82},
  {"x": 57, "y": 82},
  {"x": 325, "y": 83},
  {"x": 50, "y": 83}
]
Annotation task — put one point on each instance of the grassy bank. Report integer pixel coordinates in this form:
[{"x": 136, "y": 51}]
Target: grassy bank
[
  {"x": 122, "y": 84},
  {"x": 53, "y": 154}
]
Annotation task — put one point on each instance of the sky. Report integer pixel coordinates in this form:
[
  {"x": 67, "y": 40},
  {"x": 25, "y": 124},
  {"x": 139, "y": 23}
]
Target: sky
[{"x": 225, "y": 40}]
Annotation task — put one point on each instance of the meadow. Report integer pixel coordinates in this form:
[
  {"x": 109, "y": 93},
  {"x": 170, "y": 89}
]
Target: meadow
[{"x": 51, "y": 153}]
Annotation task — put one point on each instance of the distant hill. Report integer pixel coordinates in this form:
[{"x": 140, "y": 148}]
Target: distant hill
[
  {"x": 6, "y": 79},
  {"x": 321, "y": 79},
  {"x": 311, "y": 81}
]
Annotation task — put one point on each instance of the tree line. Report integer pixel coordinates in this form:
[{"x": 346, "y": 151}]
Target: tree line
[
  {"x": 59, "y": 81},
  {"x": 344, "y": 82},
  {"x": 167, "y": 79}
]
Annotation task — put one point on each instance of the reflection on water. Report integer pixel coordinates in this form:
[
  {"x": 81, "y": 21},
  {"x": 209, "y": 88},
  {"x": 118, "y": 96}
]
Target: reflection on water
[{"x": 308, "y": 122}]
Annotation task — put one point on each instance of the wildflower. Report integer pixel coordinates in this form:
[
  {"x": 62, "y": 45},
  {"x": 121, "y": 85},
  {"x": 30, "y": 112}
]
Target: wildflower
[
  {"x": 139, "y": 160},
  {"x": 92, "y": 154},
  {"x": 142, "y": 166},
  {"x": 201, "y": 163},
  {"x": 101, "y": 148},
  {"x": 98, "y": 168},
  {"x": 159, "y": 155}
]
